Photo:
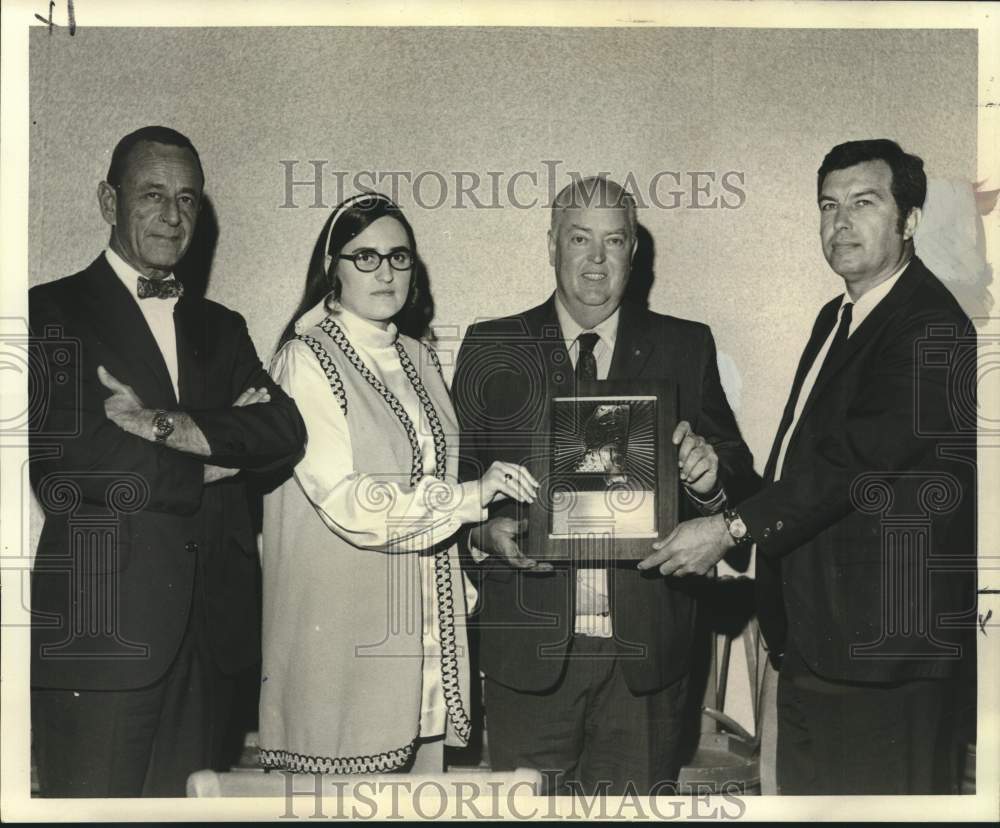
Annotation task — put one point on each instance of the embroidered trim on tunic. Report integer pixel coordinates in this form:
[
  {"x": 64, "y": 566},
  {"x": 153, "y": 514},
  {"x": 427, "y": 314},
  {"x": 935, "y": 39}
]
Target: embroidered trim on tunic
[
  {"x": 440, "y": 447},
  {"x": 442, "y": 566},
  {"x": 435, "y": 361},
  {"x": 300, "y": 763},
  {"x": 334, "y": 331},
  {"x": 329, "y": 368}
]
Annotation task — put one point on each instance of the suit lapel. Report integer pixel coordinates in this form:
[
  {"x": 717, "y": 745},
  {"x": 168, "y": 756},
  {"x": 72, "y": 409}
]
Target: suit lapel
[
  {"x": 873, "y": 323},
  {"x": 633, "y": 345},
  {"x": 191, "y": 333},
  {"x": 821, "y": 330},
  {"x": 121, "y": 325},
  {"x": 542, "y": 325}
]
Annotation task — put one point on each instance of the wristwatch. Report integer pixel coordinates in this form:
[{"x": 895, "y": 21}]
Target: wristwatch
[
  {"x": 163, "y": 426},
  {"x": 737, "y": 528}
]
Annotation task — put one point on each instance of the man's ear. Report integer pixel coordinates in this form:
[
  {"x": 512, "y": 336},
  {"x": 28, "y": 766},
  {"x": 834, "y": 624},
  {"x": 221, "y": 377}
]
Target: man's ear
[
  {"x": 107, "y": 199},
  {"x": 552, "y": 248},
  {"x": 910, "y": 225}
]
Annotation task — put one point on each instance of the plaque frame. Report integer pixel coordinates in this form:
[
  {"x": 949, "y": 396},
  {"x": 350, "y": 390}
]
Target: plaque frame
[{"x": 585, "y": 526}]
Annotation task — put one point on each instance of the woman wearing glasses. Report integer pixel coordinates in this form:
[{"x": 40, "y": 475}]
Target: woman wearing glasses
[{"x": 365, "y": 655}]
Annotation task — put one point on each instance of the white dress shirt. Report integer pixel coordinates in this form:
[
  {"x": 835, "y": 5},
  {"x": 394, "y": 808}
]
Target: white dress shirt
[
  {"x": 593, "y": 615},
  {"x": 158, "y": 313},
  {"x": 862, "y": 308}
]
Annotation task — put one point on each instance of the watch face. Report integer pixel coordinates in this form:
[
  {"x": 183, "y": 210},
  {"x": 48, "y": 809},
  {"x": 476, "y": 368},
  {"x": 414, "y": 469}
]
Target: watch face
[
  {"x": 163, "y": 425},
  {"x": 737, "y": 528}
]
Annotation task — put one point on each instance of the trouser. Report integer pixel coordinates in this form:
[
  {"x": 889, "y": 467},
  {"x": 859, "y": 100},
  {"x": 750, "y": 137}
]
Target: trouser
[
  {"x": 839, "y": 738},
  {"x": 143, "y": 742},
  {"x": 590, "y": 732}
]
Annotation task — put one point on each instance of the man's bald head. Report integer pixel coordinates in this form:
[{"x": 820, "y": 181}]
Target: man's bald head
[{"x": 593, "y": 192}]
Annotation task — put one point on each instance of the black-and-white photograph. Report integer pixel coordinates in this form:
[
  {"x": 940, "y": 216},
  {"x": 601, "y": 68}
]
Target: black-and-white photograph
[{"x": 329, "y": 328}]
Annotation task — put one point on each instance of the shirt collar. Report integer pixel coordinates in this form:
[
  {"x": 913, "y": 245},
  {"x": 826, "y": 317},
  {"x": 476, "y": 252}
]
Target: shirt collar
[
  {"x": 129, "y": 277},
  {"x": 606, "y": 330},
  {"x": 870, "y": 299}
]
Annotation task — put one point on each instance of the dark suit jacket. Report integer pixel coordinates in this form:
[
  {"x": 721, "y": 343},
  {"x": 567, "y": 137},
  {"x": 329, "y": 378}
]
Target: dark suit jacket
[
  {"x": 866, "y": 544},
  {"x": 126, "y": 520},
  {"x": 506, "y": 372}
]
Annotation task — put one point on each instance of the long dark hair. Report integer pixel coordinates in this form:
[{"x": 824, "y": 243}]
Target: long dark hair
[{"x": 353, "y": 216}]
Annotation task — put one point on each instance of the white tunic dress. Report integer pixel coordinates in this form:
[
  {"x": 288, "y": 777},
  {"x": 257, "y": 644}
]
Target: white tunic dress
[{"x": 342, "y": 500}]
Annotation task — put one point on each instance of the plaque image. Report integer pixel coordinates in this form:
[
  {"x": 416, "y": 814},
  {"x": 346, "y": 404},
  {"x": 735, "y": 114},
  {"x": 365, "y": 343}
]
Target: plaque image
[
  {"x": 603, "y": 466},
  {"x": 605, "y": 438}
]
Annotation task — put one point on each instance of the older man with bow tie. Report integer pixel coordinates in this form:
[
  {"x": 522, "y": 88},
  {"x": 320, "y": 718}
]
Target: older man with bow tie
[{"x": 144, "y": 587}]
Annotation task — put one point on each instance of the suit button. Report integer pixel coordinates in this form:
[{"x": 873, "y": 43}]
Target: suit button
[
  {"x": 191, "y": 547},
  {"x": 766, "y": 534},
  {"x": 779, "y": 526}
]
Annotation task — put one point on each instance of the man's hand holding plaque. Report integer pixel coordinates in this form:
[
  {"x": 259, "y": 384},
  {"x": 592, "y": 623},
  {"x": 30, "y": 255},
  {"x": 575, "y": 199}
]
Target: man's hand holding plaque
[{"x": 698, "y": 462}]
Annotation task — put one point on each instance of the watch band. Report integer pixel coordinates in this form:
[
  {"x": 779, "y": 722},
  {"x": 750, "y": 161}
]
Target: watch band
[{"x": 163, "y": 426}]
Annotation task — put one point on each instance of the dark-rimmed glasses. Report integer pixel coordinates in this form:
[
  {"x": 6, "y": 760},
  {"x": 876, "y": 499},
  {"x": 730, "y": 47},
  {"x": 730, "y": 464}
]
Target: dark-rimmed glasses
[{"x": 368, "y": 260}]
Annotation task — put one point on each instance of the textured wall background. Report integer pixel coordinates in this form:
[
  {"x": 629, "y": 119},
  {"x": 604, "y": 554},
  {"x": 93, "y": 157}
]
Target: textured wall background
[
  {"x": 764, "y": 103},
  {"x": 768, "y": 103}
]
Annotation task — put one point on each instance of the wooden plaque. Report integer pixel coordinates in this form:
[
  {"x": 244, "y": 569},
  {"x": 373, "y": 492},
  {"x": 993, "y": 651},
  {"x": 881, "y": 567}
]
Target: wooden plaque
[{"x": 608, "y": 472}]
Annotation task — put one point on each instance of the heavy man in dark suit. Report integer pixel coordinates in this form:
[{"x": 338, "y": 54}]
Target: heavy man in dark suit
[
  {"x": 586, "y": 668},
  {"x": 865, "y": 530},
  {"x": 145, "y": 595}
]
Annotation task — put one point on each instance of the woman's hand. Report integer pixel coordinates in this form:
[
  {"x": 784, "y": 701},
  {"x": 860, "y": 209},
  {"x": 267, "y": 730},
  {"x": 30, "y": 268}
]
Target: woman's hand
[{"x": 507, "y": 480}]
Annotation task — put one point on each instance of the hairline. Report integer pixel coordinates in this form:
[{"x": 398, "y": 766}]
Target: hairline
[
  {"x": 127, "y": 161},
  {"x": 891, "y": 199},
  {"x": 631, "y": 220}
]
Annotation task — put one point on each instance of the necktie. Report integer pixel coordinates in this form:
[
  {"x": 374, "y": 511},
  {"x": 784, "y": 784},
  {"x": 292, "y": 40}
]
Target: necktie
[
  {"x": 792, "y": 409},
  {"x": 839, "y": 342},
  {"x": 159, "y": 288},
  {"x": 586, "y": 363}
]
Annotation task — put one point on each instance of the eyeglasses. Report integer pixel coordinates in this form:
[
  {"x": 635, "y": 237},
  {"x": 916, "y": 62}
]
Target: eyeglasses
[{"x": 368, "y": 260}]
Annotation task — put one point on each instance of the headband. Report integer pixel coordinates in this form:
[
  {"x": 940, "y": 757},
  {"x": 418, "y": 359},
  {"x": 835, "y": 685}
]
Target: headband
[{"x": 374, "y": 198}]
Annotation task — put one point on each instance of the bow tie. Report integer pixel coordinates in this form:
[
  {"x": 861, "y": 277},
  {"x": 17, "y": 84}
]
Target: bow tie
[{"x": 159, "y": 288}]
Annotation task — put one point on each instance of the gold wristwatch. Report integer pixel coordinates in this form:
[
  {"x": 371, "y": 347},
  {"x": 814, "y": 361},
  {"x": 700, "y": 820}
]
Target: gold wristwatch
[{"x": 737, "y": 528}]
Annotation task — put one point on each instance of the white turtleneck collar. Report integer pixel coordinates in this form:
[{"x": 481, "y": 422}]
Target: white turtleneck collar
[{"x": 362, "y": 331}]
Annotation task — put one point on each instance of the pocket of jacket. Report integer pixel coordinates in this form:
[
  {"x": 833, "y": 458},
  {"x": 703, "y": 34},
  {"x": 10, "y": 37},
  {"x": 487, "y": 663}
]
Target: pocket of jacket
[{"x": 84, "y": 551}]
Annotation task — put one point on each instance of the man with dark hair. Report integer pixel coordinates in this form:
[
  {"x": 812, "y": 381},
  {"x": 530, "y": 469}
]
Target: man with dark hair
[
  {"x": 586, "y": 667},
  {"x": 153, "y": 134},
  {"x": 865, "y": 529},
  {"x": 145, "y": 604},
  {"x": 909, "y": 183}
]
